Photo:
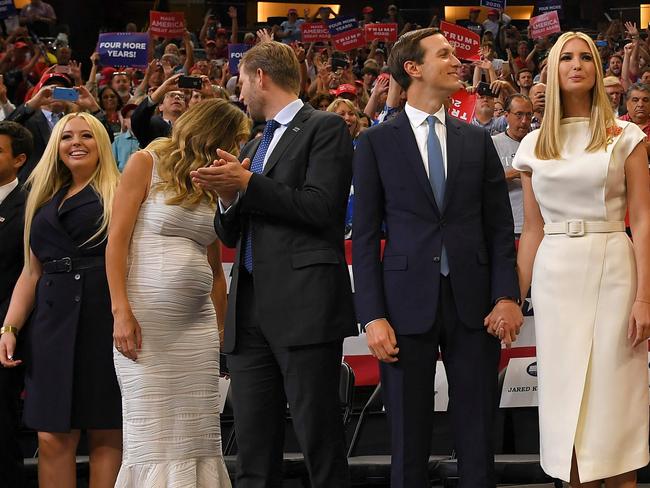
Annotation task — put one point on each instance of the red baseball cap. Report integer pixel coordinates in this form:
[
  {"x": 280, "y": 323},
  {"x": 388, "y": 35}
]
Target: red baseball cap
[
  {"x": 128, "y": 108},
  {"x": 292, "y": 11},
  {"x": 367, "y": 10},
  {"x": 50, "y": 78},
  {"x": 210, "y": 41},
  {"x": 222, "y": 32},
  {"x": 493, "y": 12},
  {"x": 472, "y": 10},
  {"x": 20, "y": 45},
  {"x": 345, "y": 88}
]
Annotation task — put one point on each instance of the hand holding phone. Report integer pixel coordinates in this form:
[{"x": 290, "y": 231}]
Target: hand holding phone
[{"x": 67, "y": 94}]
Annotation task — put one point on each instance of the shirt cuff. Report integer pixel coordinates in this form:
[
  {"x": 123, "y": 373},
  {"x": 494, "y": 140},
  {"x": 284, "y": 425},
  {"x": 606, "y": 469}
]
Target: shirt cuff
[
  {"x": 223, "y": 209},
  {"x": 372, "y": 322}
]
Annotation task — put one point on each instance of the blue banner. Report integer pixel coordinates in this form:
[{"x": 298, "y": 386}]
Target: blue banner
[
  {"x": 123, "y": 49},
  {"x": 235, "y": 53},
  {"x": 7, "y": 9},
  {"x": 497, "y": 4},
  {"x": 342, "y": 24},
  {"x": 543, "y": 6}
]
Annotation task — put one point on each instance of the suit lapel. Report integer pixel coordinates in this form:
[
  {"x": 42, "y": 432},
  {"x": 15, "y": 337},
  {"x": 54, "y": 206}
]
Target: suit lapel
[
  {"x": 84, "y": 197},
  {"x": 406, "y": 142},
  {"x": 292, "y": 131},
  {"x": 8, "y": 207},
  {"x": 51, "y": 215},
  {"x": 43, "y": 127},
  {"x": 454, "y": 151}
]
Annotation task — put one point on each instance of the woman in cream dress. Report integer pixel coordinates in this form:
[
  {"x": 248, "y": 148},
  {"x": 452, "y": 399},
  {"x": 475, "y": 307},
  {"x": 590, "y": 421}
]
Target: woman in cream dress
[
  {"x": 166, "y": 281},
  {"x": 590, "y": 288}
]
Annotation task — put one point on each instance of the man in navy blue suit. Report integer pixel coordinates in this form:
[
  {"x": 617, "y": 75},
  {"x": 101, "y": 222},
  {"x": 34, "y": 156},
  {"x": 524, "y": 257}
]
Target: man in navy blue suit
[{"x": 447, "y": 279}]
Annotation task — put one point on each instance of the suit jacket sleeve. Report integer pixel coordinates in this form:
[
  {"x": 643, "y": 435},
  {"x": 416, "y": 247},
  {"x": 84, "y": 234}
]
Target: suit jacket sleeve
[
  {"x": 141, "y": 122},
  {"x": 317, "y": 203},
  {"x": 366, "y": 236},
  {"x": 498, "y": 226},
  {"x": 228, "y": 225},
  {"x": 21, "y": 115}
]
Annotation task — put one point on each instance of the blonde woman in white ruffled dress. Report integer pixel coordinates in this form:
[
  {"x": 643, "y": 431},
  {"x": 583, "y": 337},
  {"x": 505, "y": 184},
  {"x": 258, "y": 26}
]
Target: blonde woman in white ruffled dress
[{"x": 168, "y": 294}]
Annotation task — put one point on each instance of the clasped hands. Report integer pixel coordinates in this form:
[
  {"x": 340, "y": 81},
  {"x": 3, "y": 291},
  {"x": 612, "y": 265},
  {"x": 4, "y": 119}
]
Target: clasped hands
[
  {"x": 226, "y": 176},
  {"x": 504, "y": 321}
]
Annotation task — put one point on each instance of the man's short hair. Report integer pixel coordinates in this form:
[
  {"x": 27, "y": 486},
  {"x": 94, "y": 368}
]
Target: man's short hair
[
  {"x": 616, "y": 56},
  {"x": 22, "y": 141},
  {"x": 369, "y": 70},
  {"x": 524, "y": 70},
  {"x": 638, "y": 86},
  {"x": 508, "y": 104},
  {"x": 275, "y": 59},
  {"x": 408, "y": 48}
]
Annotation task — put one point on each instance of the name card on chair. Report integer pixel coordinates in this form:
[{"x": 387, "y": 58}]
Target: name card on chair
[{"x": 520, "y": 384}]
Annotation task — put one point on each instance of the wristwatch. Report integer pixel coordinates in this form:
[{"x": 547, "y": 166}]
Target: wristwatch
[{"x": 514, "y": 299}]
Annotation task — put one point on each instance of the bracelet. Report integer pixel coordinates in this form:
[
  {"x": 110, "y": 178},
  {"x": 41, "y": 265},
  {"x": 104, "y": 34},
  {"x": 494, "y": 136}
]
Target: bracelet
[{"x": 9, "y": 328}]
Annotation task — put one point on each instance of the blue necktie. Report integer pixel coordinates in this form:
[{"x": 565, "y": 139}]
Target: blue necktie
[
  {"x": 437, "y": 178},
  {"x": 257, "y": 165}
]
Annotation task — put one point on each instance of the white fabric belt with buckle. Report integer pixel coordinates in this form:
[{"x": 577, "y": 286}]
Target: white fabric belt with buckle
[{"x": 578, "y": 227}]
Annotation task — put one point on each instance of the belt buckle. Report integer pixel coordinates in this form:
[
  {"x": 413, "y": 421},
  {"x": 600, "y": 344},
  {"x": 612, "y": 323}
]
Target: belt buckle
[
  {"x": 574, "y": 228},
  {"x": 66, "y": 264}
]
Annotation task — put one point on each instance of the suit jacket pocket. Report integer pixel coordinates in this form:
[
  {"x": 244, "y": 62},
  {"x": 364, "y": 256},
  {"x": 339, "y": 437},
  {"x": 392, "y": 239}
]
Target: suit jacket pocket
[
  {"x": 317, "y": 256},
  {"x": 482, "y": 257},
  {"x": 395, "y": 263}
]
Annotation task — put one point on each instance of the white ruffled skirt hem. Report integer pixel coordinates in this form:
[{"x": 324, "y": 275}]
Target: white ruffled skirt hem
[{"x": 197, "y": 473}]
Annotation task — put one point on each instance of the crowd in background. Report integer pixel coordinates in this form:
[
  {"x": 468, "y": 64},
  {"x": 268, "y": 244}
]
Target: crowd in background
[
  {"x": 138, "y": 105},
  {"x": 128, "y": 109}
]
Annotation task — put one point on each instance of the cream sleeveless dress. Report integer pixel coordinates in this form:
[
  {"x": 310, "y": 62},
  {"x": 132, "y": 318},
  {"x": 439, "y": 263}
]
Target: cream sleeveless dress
[
  {"x": 171, "y": 430},
  {"x": 593, "y": 387}
]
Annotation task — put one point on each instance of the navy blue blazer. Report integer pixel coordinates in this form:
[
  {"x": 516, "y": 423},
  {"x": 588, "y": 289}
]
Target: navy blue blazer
[{"x": 475, "y": 225}]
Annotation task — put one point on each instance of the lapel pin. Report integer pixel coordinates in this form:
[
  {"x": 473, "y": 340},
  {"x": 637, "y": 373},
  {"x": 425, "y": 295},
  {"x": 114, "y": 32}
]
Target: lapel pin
[
  {"x": 296, "y": 129},
  {"x": 2, "y": 219}
]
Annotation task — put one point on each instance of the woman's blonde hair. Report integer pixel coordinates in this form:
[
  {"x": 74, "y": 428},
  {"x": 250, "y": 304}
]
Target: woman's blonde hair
[
  {"x": 338, "y": 101},
  {"x": 602, "y": 115},
  {"x": 197, "y": 134},
  {"x": 50, "y": 175}
]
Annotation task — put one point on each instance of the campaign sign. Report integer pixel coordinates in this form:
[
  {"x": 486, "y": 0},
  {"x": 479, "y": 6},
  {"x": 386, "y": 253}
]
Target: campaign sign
[
  {"x": 440, "y": 389},
  {"x": 520, "y": 384},
  {"x": 544, "y": 6},
  {"x": 348, "y": 40},
  {"x": 381, "y": 32},
  {"x": 123, "y": 49},
  {"x": 466, "y": 42},
  {"x": 342, "y": 24},
  {"x": 544, "y": 25},
  {"x": 497, "y": 4},
  {"x": 235, "y": 53},
  {"x": 167, "y": 24},
  {"x": 7, "y": 8},
  {"x": 315, "y": 32},
  {"x": 462, "y": 105}
]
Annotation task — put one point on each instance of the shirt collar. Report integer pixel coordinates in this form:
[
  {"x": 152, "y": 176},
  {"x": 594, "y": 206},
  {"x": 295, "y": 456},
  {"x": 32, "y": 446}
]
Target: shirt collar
[
  {"x": 5, "y": 190},
  {"x": 417, "y": 117},
  {"x": 287, "y": 114}
]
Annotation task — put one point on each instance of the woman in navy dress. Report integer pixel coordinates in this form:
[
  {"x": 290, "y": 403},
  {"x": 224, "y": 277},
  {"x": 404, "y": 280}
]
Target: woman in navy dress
[{"x": 70, "y": 381}]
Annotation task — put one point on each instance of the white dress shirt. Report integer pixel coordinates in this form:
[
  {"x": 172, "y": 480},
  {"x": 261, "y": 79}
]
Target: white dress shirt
[
  {"x": 284, "y": 118},
  {"x": 5, "y": 190},
  {"x": 418, "y": 120}
]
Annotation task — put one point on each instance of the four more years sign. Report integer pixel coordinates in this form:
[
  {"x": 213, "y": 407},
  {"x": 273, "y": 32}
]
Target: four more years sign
[{"x": 123, "y": 49}]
